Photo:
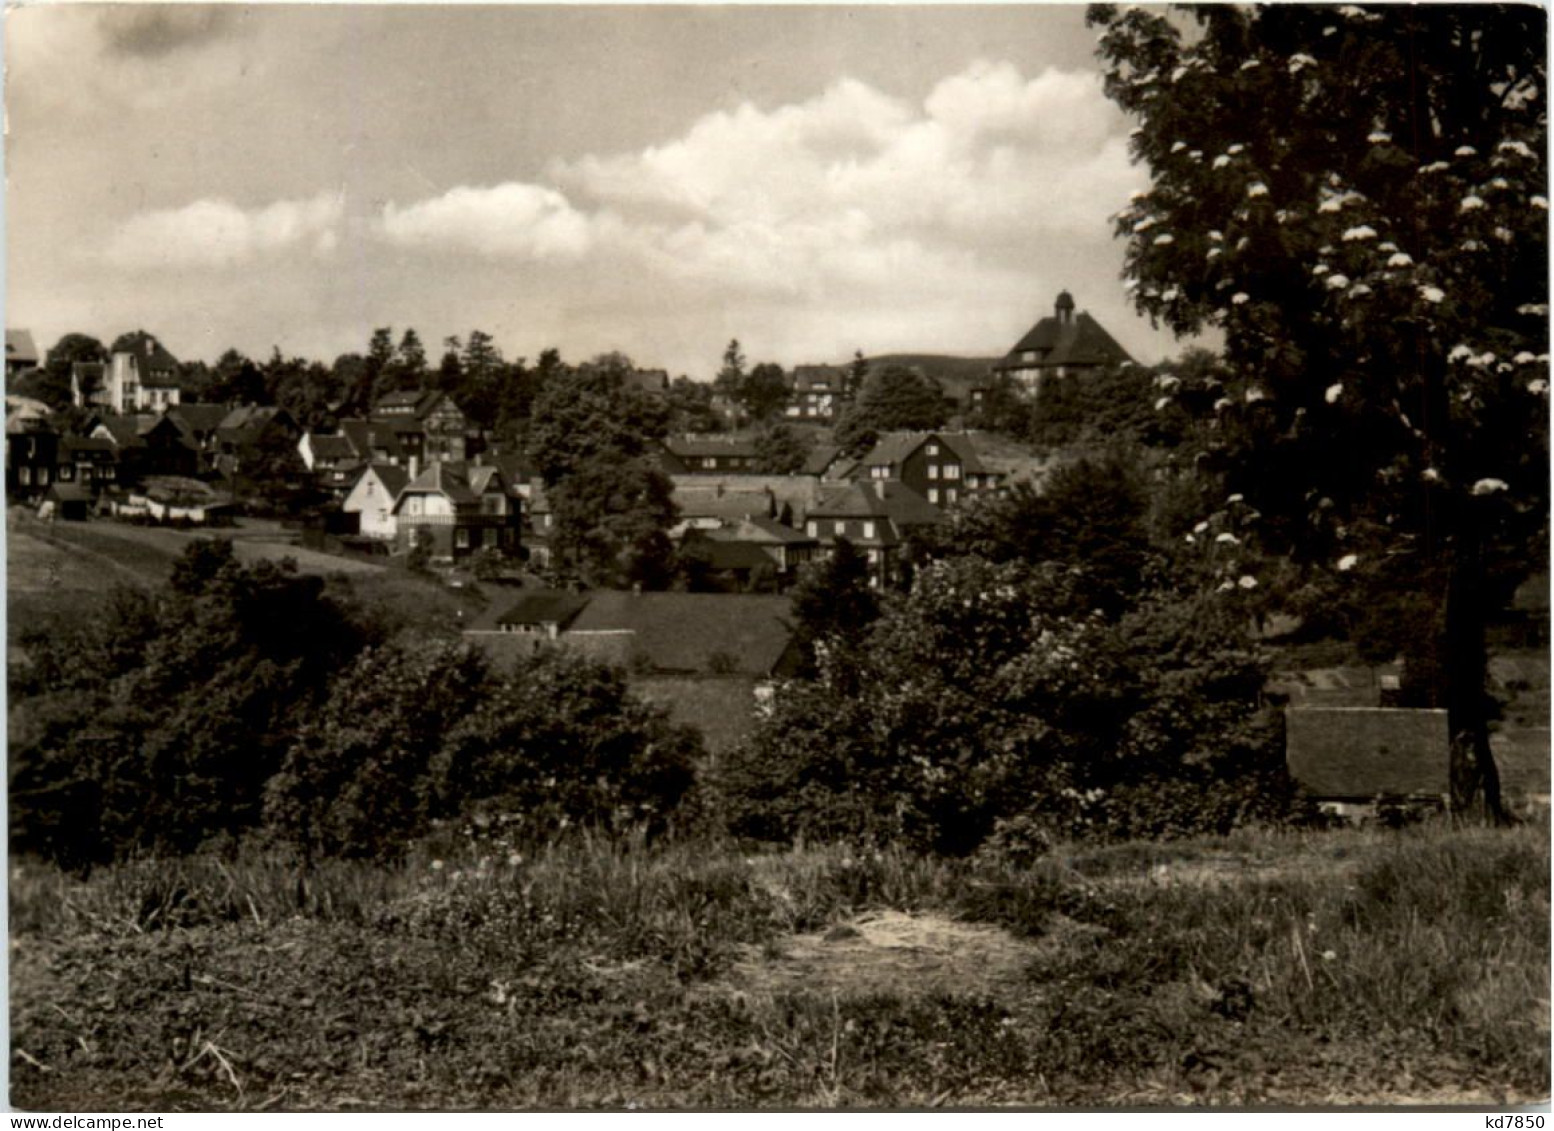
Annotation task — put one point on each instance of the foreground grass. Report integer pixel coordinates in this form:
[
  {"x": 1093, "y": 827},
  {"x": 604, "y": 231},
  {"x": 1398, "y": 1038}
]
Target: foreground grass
[{"x": 1281, "y": 969}]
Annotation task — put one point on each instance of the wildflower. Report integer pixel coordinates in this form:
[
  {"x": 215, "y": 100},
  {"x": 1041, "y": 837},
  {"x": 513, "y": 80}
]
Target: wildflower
[
  {"x": 1348, "y": 562},
  {"x": 1401, "y": 259},
  {"x": 1333, "y": 393},
  {"x": 1337, "y": 282}
]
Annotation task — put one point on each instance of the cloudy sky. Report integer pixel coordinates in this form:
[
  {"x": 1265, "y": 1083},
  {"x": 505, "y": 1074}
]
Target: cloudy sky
[{"x": 811, "y": 180}]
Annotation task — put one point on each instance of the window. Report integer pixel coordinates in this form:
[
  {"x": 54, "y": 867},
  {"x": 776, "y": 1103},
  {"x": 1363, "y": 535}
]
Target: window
[
  {"x": 25, "y": 476},
  {"x": 67, "y": 473},
  {"x": 933, "y": 494},
  {"x": 880, "y": 472},
  {"x": 950, "y": 495},
  {"x": 933, "y": 471},
  {"x": 413, "y": 505},
  {"x": 461, "y": 538},
  {"x": 952, "y": 471},
  {"x": 868, "y": 531},
  {"x": 43, "y": 477},
  {"x": 933, "y": 449},
  {"x": 812, "y": 529},
  {"x": 874, "y": 557}
]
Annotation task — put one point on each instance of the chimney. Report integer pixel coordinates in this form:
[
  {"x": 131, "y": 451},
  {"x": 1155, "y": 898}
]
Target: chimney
[
  {"x": 150, "y": 345},
  {"x": 415, "y": 465},
  {"x": 1065, "y": 308}
]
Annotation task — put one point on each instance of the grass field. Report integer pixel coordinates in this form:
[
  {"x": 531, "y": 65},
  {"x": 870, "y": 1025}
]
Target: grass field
[{"x": 1355, "y": 967}]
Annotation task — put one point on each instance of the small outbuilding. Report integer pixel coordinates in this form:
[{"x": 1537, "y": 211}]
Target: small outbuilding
[
  {"x": 1346, "y": 758},
  {"x": 65, "y": 501}
]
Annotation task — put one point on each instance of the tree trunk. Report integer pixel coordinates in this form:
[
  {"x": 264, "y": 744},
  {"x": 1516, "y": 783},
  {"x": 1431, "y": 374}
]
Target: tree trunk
[{"x": 1466, "y": 668}]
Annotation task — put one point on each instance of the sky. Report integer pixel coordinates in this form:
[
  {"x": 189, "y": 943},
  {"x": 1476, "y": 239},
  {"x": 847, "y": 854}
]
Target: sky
[{"x": 655, "y": 180}]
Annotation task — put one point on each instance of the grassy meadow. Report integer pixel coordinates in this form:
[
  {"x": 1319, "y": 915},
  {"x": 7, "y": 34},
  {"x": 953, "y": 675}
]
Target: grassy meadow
[{"x": 1298, "y": 968}]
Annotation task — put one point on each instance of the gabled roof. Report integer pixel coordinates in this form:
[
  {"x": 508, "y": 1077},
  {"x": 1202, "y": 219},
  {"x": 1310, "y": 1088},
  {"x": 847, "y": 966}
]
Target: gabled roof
[
  {"x": 890, "y": 500},
  {"x": 516, "y": 467},
  {"x": 335, "y": 447},
  {"x": 1359, "y": 752},
  {"x": 127, "y": 431},
  {"x": 392, "y": 477},
  {"x": 20, "y": 348},
  {"x": 833, "y": 378},
  {"x": 724, "y": 553},
  {"x": 695, "y": 447},
  {"x": 820, "y": 459},
  {"x": 199, "y": 417},
  {"x": 67, "y": 493},
  {"x": 149, "y": 354},
  {"x": 894, "y": 448},
  {"x": 1076, "y": 340},
  {"x": 681, "y": 632},
  {"x": 762, "y": 531},
  {"x": 708, "y": 502},
  {"x": 74, "y": 443},
  {"x": 364, "y": 435},
  {"x": 534, "y": 607},
  {"x": 446, "y": 479},
  {"x": 250, "y": 418},
  {"x": 403, "y": 399}
]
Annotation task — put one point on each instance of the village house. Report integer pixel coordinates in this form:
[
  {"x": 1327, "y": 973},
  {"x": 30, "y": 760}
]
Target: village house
[
  {"x": 535, "y": 619},
  {"x": 31, "y": 456},
  {"x": 1061, "y": 345},
  {"x": 88, "y": 462},
  {"x": 371, "y": 500},
  {"x": 736, "y": 555},
  {"x": 818, "y": 393},
  {"x": 942, "y": 467},
  {"x": 21, "y": 353},
  {"x": 877, "y": 518},
  {"x": 145, "y": 444},
  {"x": 456, "y": 510},
  {"x": 199, "y": 423},
  {"x": 141, "y": 377},
  {"x": 708, "y": 455},
  {"x": 427, "y": 425},
  {"x": 332, "y": 459},
  {"x": 538, "y": 526}
]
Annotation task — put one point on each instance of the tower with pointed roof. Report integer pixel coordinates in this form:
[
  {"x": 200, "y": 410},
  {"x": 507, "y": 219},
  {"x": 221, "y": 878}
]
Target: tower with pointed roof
[{"x": 1061, "y": 345}]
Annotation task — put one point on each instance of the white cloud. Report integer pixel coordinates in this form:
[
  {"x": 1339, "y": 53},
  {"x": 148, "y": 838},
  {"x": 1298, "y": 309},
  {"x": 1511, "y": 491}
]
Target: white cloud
[
  {"x": 852, "y": 189},
  {"x": 217, "y": 233},
  {"x": 512, "y": 219}
]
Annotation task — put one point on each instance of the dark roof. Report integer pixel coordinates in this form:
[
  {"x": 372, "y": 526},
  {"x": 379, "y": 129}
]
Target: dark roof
[
  {"x": 197, "y": 416},
  {"x": 724, "y": 553},
  {"x": 128, "y": 430},
  {"x": 331, "y": 447},
  {"x": 73, "y": 443},
  {"x": 1077, "y": 340},
  {"x": 807, "y": 377},
  {"x": 391, "y": 476},
  {"x": 891, "y": 500},
  {"x": 894, "y": 448},
  {"x": 763, "y": 531},
  {"x": 712, "y": 502},
  {"x": 1360, "y": 752},
  {"x": 149, "y": 354},
  {"x": 20, "y": 347},
  {"x": 404, "y": 398},
  {"x": 462, "y": 482},
  {"x": 694, "y": 447},
  {"x": 250, "y": 420},
  {"x": 67, "y": 493},
  {"x": 820, "y": 457},
  {"x": 683, "y": 631},
  {"x": 535, "y": 607}
]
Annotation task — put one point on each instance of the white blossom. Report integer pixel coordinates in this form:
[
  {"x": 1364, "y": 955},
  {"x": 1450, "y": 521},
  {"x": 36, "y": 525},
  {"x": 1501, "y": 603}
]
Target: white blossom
[
  {"x": 1145, "y": 224},
  {"x": 1227, "y": 539},
  {"x": 1348, "y": 562},
  {"x": 1329, "y": 31},
  {"x": 1538, "y": 387},
  {"x": 1221, "y": 161},
  {"x": 1430, "y": 475},
  {"x": 1249, "y": 64},
  {"x": 1189, "y": 539},
  {"x": 1537, "y": 309},
  {"x": 1471, "y": 245},
  {"x": 1247, "y": 581},
  {"x": 1257, "y": 188},
  {"x": 1333, "y": 393},
  {"x": 1178, "y": 74},
  {"x": 1539, "y": 202},
  {"x": 1362, "y": 232},
  {"x": 1243, "y": 243},
  {"x": 1401, "y": 259},
  {"x": 1212, "y": 253},
  {"x": 1524, "y": 358},
  {"x": 1227, "y": 586},
  {"x": 1254, "y": 395},
  {"x": 1504, "y": 235},
  {"x": 1137, "y": 195},
  {"x": 1178, "y": 146},
  {"x": 1434, "y": 167},
  {"x": 1359, "y": 290},
  {"x": 1200, "y": 528},
  {"x": 1490, "y": 486},
  {"x": 1519, "y": 148},
  {"x": 1240, "y": 298},
  {"x": 1471, "y": 203},
  {"x": 1167, "y": 381},
  {"x": 1500, "y": 183},
  {"x": 1320, "y": 269},
  {"x": 1337, "y": 282},
  {"x": 1161, "y": 402},
  {"x": 1166, "y": 238},
  {"x": 1222, "y": 404},
  {"x": 1379, "y": 137},
  {"x": 1466, "y": 151},
  {"x": 1298, "y": 61},
  {"x": 1216, "y": 234},
  {"x": 1235, "y": 149},
  {"x": 1236, "y": 498},
  {"x": 1431, "y": 294},
  {"x": 1459, "y": 353},
  {"x": 1196, "y": 155}
]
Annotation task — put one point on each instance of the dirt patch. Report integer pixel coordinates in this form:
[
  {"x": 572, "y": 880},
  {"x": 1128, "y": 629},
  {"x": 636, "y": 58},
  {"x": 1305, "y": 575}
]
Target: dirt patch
[{"x": 889, "y": 952}]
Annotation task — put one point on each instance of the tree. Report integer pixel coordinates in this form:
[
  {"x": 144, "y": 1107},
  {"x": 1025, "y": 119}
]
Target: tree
[
  {"x": 895, "y": 398},
  {"x": 236, "y": 380},
  {"x": 857, "y": 373},
  {"x": 765, "y": 391},
  {"x": 779, "y": 450},
  {"x": 731, "y": 376},
  {"x": 690, "y": 407},
  {"x": 1355, "y": 198},
  {"x": 833, "y": 607},
  {"x": 52, "y": 384}
]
